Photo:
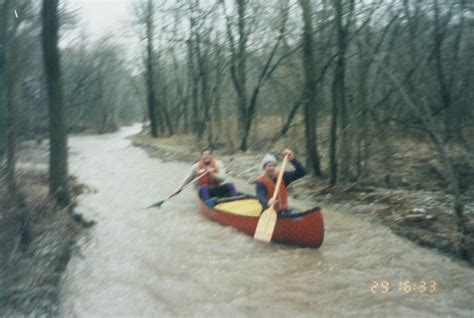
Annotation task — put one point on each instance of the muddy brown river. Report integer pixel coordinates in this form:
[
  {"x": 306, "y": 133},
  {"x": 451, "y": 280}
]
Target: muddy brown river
[{"x": 174, "y": 262}]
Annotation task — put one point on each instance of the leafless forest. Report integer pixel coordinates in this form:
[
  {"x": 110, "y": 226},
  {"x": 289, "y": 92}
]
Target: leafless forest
[{"x": 361, "y": 89}]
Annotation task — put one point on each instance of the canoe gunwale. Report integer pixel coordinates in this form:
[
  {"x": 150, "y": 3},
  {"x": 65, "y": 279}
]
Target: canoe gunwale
[
  {"x": 304, "y": 229},
  {"x": 246, "y": 197}
]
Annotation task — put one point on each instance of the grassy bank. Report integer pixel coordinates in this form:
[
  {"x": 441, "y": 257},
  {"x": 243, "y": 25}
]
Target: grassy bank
[{"x": 38, "y": 240}]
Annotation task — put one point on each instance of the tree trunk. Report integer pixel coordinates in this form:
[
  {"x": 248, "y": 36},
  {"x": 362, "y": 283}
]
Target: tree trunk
[
  {"x": 150, "y": 79},
  {"x": 340, "y": 88},
  {"x": 193, "y": 74},
  {"x": 241, "y": 62},
  {"x": 309, "y": 93},
  {"x": 451, "y": 178},
  {"x": 286, "y": 126},
  {"x": 217, "y": 90},
  {"x": 4, "y": 18},
  {"x": 58, "y": 169},
  {"x": 446, "y": 75},
  {"x": 164, "y": 107},
  {"x": 203, "y": 78},
  {"x": 6, "y": 231},
  {"x": 12, "y": 96},
  {"x": 238, "y": 68},
  {"x": 333, "y": 138},
  {"x": 440, "y": 71},
  {"x": 362, "y": 136}
]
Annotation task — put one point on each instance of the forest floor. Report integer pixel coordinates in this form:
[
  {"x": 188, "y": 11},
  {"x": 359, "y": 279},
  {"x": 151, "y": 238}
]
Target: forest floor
[
  {"x": 43, "y": 236},
  {"x": 412, "y": 205}
]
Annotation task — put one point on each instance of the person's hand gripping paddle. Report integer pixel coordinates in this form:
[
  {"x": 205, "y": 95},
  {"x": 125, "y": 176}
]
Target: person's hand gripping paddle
[{"x": 266, "y": 223}]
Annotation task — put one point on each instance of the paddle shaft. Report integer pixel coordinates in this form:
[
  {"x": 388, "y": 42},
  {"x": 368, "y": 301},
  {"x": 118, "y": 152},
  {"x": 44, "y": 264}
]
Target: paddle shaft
[
  {"x": 279, "y": 180},
  {"x": 187, "y": 185}
]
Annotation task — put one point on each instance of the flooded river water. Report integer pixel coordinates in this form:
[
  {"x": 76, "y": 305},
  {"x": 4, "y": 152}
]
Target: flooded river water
[{"x": 173, "y": 262}]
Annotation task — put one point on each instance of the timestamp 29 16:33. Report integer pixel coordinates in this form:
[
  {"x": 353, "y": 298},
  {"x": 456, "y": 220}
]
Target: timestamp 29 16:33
[{"x": 405, "y": 287}]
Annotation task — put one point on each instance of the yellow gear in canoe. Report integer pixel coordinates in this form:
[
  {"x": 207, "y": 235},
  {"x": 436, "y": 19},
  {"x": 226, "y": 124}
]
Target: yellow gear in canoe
[{"x": 247, "y": 207}]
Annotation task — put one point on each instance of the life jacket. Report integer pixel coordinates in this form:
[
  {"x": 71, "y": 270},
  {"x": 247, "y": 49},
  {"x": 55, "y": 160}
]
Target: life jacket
[
  {"x": 270, "y": 185},
  {"x": 207, "y": 179}
]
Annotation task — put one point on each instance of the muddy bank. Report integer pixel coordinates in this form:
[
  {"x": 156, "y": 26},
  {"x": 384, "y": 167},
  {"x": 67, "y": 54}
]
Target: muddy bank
[
  {"x": 40, "y": 241},
  {"x": 425, "y": 217}
]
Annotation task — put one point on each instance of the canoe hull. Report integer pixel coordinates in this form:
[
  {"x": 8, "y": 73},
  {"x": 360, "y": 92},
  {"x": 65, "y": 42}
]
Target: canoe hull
[{"x": 305, "y": 229}]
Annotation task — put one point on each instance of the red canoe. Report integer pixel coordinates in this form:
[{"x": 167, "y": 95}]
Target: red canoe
[{"x": 304, "y": 229}]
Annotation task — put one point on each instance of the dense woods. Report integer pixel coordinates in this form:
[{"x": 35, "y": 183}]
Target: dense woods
[
  {"x": 359, "y": 78},
  {"x": 356, "y": 87}
]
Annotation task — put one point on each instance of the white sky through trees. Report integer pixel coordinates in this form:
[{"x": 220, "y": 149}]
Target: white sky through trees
[
  {"x": 104, "y": 18},
  {"x": 100, "y": 17}
]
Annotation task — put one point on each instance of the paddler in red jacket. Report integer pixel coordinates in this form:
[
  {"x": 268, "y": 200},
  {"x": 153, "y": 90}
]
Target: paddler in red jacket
[
  {"x": 267, "y": 181},
  {"x": 212, "y": 183}
]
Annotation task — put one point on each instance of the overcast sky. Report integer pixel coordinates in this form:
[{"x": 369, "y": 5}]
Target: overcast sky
[{"x": 100, "y": 16}]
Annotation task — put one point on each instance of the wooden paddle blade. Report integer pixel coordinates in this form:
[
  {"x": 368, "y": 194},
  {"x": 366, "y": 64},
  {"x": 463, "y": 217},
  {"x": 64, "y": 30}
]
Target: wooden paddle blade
[{"x": 266, "y": 225}]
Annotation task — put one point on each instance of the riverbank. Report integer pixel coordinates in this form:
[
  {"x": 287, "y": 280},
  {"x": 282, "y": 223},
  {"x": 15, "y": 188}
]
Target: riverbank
[
  {"x": 425, "y": 217},
  {"x": 41, "y": 239},
  {"x": 174, "y": 262}
]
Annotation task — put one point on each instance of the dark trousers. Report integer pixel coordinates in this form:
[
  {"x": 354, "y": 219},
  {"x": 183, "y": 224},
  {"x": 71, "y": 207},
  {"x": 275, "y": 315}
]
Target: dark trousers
[{"x": 224, "y": 190}]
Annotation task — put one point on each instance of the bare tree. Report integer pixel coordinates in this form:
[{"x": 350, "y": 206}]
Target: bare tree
[
  {"x": 205, "y": 68},
  {"x": 309, "y": 93},
  {"x": 339, "y": 94},
  {"x": 58, "y": 167},
  {"x": 4, "y": 18},
  {"x": 446, "y": 75},
  {"x": 239, "y": 71},
  {"x": 422, "y": 118},
  {"x": 146, "y": 16},
  {"x": 5, "y": 228}
]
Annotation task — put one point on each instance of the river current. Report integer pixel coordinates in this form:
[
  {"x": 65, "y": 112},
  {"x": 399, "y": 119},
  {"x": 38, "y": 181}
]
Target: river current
[{"x": 174, "y": 262}]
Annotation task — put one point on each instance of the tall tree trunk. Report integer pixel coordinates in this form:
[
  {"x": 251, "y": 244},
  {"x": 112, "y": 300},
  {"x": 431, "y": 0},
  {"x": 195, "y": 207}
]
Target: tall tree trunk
[
  {"x": 333, "y": 138},
  {"x": 100, "y": 117},
  {"x": 5, "y": 225},
  {"x": 456, "y": 118},
  {"x": 217, "y": 91},
  {"x": 193, "y": 74},
  {"x": 362, "y": 136},
  {"x": 440, "y": 71},
  {"x": 309, "y": 94},
  {"x": 12, "y": 96},
  {"x": 4, "y": 18},
  {"x": 203, "y": 78},
  {"x": 58, "y": 168},
  {"x": 183, "y": 98},
  {"x": 446, "y": 75},
  {"x": 451, "y": 178},
  {"x": 340, "y": 87},
  {"x": 150, "y": 79},
  {"x": 238, "y": 67},
  {"x": 164, "y": 109},
  {"x": 286, "y": 126},
  {"x": 241, "y": 73}
]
